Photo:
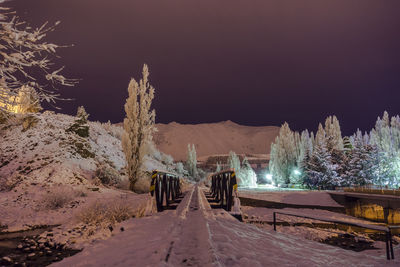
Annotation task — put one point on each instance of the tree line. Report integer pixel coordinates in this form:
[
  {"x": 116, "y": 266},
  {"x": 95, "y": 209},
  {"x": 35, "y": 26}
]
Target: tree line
[{"x": 327, "y": 160}]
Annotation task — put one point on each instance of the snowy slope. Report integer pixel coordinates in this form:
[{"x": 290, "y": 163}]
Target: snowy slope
[
  {"x": 47, "y": 159},
  {"x": 46, "y": 153},
  {"x": 214, "y": 138}
]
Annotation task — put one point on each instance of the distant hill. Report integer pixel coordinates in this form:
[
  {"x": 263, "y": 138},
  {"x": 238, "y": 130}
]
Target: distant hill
[{"x": 214, "y": 138}]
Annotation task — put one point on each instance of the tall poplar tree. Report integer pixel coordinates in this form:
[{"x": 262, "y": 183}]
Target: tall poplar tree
[{"x": 138, "y": 125}]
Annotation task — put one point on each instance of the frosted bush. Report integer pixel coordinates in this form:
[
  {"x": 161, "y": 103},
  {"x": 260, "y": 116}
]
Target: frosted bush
[
  {"x": 104, "y": 214},
  {"x": 113, "y": 130},
  {"x": 151, "y": 150},
  {"x": 107, "y": 175},
  {"x": 167, "y": 159},
  {"x": 58, "y": 197}
]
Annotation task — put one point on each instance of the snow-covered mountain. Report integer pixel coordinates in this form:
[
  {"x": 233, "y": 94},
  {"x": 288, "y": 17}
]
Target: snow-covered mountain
[{"x": 214, "y": 138}]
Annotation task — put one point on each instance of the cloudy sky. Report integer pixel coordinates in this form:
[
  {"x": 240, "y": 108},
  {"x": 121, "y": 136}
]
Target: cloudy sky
[{"x": 255, "y": 62}]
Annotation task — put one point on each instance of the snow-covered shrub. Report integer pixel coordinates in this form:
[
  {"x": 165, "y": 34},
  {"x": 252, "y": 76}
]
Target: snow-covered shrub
[
  {"x": 58, "y": 197},
  {"x": 104, "y": 214},
  {"x": 107, "y": 174},
  {"x": 151, "y": 150},
  {"x": 113, "y": 130},
  {"x": 83, "y": 148},
  {"x": 143, "y": 182},
  {"x": 180, "y": 170},
  {"x": 123, "y": 183},
  {"x": 247, "y": 176},
  {"x": 28, "y": 122},
  {"x": 167, "y": 159}
]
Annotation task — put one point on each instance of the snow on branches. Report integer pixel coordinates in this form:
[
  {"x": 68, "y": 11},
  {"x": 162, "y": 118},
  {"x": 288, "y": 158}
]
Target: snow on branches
[{"x": 26, "y": 60}]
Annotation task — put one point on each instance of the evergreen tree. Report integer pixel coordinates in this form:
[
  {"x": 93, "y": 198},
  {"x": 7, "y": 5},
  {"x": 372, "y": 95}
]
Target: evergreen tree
[
  {"x": 305, "y": 151},
  {"x": 320, "y": 169},
  {"x": 80, "y": 126},
  {"x": 347, "y": 146},
  {"x": 385, "y": 137}
]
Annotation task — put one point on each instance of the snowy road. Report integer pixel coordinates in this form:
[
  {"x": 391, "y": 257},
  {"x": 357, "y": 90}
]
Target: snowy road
[{"x": 196, "y": 235}]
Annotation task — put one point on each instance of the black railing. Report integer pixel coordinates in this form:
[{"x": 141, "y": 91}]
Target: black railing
[
  {"x": 164, "y": 184},
  {"x": 223, "y": 184},
  {"x": 385, "y": 229}
]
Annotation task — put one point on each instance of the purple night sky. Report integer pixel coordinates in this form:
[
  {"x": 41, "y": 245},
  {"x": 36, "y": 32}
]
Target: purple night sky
[{"x": 255, "y": 62}]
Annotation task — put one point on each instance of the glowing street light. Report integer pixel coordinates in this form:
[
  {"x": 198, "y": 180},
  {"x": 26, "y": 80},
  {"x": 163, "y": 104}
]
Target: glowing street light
[{"x": 296, "y": 172}]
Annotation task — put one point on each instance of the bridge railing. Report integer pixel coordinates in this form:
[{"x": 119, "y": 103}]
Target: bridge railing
[
  {"x": 164, "y": 185},
  {"x": 372, "y": 190},
  {"x": 387, "y": 230},
  {"x": 223, "y": 186}
]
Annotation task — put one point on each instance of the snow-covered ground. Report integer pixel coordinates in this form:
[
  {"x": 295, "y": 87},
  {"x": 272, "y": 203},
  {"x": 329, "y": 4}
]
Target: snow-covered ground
[{"x": 196, "y": 235}]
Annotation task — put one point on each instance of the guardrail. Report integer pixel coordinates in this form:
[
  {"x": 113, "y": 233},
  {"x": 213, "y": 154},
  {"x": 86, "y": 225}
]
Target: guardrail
[
  {"x": 223, "y": 185},
  {"x": 385, "y": 229},
  {"x": 372, "y": 190},
  {"x": 164, "y": 184}
]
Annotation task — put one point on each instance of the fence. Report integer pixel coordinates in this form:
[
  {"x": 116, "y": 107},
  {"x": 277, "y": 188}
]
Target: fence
[
  {"x": 164, "y": 184},
  {"x": 223, "y": 184},
  {"x": 384, "y": 229}
]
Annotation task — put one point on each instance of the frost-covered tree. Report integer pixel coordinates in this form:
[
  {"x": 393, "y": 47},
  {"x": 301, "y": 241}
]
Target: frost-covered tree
[
  {"x": 180, "y": 170},
  {"x": 321, "y": 170},
  {"x": 27, "y": 60},
  {"x": 305, "y": 151},
  {"x": 191, "y": 161},
  {"x": 385, "y": 137},
  {"x": 284, "y": 155},
  {"x": 247, "y": 176},
  {"x": 138, "y": 125},
  {"x": 234, "y": 161},
  {"x": 218, "y": 168},
  {"x": 361, "y": 163},
  {"x": 333, "y": 134}
]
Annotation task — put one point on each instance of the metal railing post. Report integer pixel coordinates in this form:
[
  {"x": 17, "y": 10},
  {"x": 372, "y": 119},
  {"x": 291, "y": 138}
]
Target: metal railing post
[
  {"x": 274, "y": 221},
  {"x": 387, "y": 246},
  {"x": 391, "y": 244}
]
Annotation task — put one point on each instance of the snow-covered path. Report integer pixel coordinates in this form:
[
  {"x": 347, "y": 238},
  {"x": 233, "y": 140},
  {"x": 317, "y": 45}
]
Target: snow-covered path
[{"x": 196, "y": 235}]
